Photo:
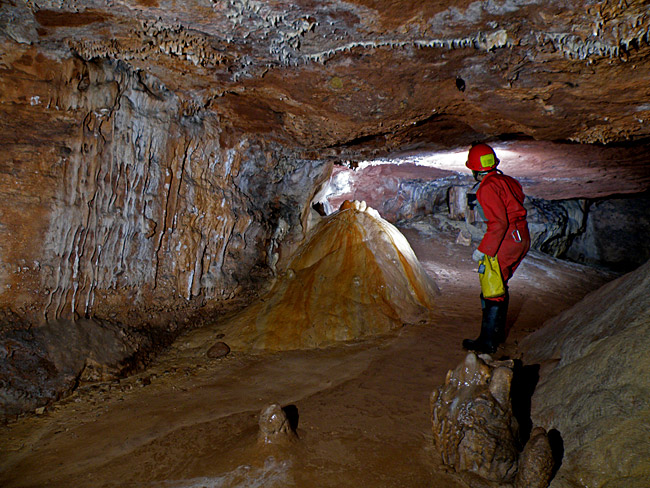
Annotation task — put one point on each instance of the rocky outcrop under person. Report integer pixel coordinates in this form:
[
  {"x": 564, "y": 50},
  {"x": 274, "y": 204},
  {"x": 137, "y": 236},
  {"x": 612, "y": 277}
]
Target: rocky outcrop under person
[
  {"x": 356, "y": 276},
  {"x": 475, "y": 430},
  {"x": 473, "y": 427},
  {"x": 593, "y": 386}
]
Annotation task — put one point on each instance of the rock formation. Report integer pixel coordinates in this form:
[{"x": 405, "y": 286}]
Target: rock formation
[
  {"x": 474, "y": 429},
  {"x": 476, "y": 433},
  {"x": 45, "y": 363},
  {"x": 275, "y": 427},
  {"x": 219, "y": 350},
  {"x": 593, "y": 386},
  {"x": 356, "y": 276},
  {"x": 145, "y": 203},
  {"x": 536, "y": 462}
]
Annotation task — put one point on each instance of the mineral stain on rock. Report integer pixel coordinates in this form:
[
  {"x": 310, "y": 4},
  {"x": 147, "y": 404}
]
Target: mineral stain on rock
[{"x": 355, "y": 277}]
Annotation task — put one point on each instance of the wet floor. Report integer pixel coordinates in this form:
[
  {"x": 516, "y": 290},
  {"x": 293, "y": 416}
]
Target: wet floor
[{"x": 361, "y": 410}]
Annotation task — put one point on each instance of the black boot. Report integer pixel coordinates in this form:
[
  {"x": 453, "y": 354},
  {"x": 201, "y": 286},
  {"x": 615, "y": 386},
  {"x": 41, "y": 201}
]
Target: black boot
[
  {"x": 500, "y": 332},
  {"x": 487, "y": 341}
]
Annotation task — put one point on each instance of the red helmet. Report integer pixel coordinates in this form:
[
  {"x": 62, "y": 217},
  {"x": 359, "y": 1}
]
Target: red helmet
[{"x": 481, "y": 157}]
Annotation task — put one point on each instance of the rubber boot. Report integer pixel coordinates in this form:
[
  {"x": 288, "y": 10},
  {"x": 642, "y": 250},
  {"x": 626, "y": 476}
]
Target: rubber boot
[
  {"x": 487, "y": 341},
  {"x": 500, "y": 332}
]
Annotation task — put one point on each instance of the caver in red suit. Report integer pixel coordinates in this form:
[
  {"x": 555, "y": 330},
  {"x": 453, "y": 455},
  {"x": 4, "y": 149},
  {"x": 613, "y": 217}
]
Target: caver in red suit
[{"x": 502, "y": 201}]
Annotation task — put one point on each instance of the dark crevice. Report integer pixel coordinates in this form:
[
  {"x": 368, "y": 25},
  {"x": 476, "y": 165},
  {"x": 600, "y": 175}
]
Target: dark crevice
[
  {"x": 524, "y": 381},
  {"x": 291, "y": 411},
  {"x": 557, "y": 448}
]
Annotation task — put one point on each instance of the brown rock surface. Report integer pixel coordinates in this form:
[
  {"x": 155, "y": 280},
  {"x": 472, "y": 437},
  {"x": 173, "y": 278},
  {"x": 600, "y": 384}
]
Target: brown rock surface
[
  {"x": 593, "y": 386},
  {"x": 275, "y": 427},
  {"x": 310, "y": 70},
  {"x": 43, "y": 364},
  {"x": 364, "y": 415},
  {"x": 536, "y": 462},
  {"x": 219, "y": 350},
  {"x": 474, "y": 429}
]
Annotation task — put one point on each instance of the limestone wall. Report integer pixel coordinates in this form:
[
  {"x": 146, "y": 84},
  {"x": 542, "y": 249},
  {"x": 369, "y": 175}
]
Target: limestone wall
[
  {"x": 122, "y": 201},
  {"x": 593, "y": 388}
]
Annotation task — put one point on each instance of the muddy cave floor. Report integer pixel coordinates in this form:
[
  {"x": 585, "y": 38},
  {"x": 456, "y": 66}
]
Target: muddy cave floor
[{"x": 362, "y": 410}]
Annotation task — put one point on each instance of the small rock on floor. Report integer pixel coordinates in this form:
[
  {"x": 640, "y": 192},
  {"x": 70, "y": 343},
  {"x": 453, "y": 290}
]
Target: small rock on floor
[{"x": 219, "y": 350}]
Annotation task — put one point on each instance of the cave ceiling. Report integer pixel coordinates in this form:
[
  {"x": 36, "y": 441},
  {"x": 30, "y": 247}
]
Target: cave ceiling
[{"x": 368, "y": 78}]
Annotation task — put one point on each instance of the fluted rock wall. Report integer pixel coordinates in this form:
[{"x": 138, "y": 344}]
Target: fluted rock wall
[{"x": 125, "y": 201}]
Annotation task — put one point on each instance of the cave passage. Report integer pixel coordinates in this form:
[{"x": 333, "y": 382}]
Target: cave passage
[
  {"x": 164, "y": 164},
  {"x": 188, "y": 420}
]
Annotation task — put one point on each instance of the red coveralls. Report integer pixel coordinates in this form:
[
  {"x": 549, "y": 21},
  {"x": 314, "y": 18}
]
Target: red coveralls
[{"x": 502, "y": 200}]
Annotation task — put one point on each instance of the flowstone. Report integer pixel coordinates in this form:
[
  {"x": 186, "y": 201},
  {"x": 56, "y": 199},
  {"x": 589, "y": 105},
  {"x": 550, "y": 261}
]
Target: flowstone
[
  {"x": 355, "y": 277},
  {"x": 536, "y": 461}
]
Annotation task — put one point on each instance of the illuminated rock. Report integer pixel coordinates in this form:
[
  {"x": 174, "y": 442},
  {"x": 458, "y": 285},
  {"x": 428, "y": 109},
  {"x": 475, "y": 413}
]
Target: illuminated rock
[
  {"x": 474, "y": 429},
  {"x": 356, "y": 276}
]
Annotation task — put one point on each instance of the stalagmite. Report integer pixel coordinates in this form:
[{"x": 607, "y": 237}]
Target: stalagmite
[
  {"x": 356, "y": 276},
  {"x": 275, "y": 427},
  {"x": 474, "y": 429}
]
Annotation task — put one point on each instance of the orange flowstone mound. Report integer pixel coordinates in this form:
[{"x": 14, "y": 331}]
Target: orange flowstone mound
[{"x": 356, "y": 276}]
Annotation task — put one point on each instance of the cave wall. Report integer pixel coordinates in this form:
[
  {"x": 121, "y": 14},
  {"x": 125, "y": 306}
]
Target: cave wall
[
  {"x": 593, "y": 384},
  {"x": 123, "y": 193},
  {"x": 617, "y": 233},
  {"x": 129, "y": 206}
]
